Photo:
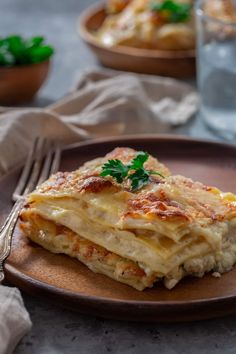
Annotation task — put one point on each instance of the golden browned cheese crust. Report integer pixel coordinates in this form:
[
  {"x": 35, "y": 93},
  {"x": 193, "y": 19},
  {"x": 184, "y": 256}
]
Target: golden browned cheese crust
[
  {"x": 87, "y": 178},
  {"x": 160, "y": 199}
]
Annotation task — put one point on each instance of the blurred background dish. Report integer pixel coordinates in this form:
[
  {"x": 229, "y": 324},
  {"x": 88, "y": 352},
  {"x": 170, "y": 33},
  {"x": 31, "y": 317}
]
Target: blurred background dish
[
  {"x": 147, "y": 59},
  {"x": 151, "y": 24},
  {"x": 24, "y": 66}
]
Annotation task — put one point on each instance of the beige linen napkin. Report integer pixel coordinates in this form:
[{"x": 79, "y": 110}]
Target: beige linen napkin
[
  {"x": 102, "y": 103},
  {"x": 14, "y": 319}
]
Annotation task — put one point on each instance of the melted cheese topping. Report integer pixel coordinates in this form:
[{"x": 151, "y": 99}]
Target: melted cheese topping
[{"x": 164, "y": 227}]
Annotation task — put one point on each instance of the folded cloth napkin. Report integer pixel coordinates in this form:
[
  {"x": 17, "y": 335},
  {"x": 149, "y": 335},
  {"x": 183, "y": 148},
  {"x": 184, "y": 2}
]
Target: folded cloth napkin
[
  {"x": 102, "y": 103},
  {"x": 14, "y": 319}
]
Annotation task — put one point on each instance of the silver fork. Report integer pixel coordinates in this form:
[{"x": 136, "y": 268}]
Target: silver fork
[{"x": 36, "y": 170}]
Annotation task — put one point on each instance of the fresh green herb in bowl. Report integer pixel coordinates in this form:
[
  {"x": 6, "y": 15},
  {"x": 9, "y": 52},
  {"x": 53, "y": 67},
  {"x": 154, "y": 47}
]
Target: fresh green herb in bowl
[
  {"x": 16, "y": 50},
  {"x": 24, "y": 66}
]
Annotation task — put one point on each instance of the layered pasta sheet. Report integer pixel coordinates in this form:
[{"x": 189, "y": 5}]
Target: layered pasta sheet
[{"x": 170, "y": 228}]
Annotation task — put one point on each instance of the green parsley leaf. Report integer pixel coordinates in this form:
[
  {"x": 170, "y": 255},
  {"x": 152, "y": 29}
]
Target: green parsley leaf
[
  {"x": 139, "y": 179},
  {"x": 178, "y": 12},
  {"x": 139, "y": 160},
  {"x": 6, "y": 58},
  {"x": 116, "y": 169},
  {"x": 35, "y": 41},
  {"x": 39, "y": 54},
  {"x": 151, "y": 172},
  {"x": 16, "y": 50},
  {"x": 16, "y": 47}
]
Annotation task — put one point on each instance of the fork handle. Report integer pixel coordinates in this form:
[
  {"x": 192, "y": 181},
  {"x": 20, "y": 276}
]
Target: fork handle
[{"x": 6, "y": 233}]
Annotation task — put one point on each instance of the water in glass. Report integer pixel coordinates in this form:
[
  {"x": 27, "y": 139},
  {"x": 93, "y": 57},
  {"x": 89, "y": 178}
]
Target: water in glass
[{"x": 217, "y": 84}]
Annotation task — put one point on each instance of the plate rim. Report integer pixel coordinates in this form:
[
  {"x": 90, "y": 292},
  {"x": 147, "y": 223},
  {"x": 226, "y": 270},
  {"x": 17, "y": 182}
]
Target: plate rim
[
  {"x": 150, "y": 136},
  {"x": 53, "y": 289}
]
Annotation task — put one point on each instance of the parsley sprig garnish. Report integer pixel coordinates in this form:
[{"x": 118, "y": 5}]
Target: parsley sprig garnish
[
  {"x": 173, "y": 11},
  {"x": 116, "y": 169},
  {"x": 135, "y": 171},
  {"x": 16, "y": 50}
]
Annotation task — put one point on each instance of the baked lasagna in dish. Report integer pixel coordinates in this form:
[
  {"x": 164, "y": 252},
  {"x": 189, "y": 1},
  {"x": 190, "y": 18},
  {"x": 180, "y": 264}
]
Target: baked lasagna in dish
[
  {"x": 151, "y": 24},
  {"x": 137, "y": 231}
]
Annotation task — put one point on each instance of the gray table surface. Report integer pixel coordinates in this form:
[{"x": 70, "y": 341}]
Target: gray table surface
[{"x": 56, "y": 330}]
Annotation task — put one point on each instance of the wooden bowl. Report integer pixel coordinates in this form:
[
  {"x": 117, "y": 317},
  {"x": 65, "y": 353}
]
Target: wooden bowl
[
  {"x": 19, "y": 84},
  {"x": 179, "y": 64}
]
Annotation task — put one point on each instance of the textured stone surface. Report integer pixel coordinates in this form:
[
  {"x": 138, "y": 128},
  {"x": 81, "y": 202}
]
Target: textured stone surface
[{"x": 58, "y": 331}]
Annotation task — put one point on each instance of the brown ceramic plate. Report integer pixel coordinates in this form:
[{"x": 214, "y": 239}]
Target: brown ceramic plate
[
  {"x": 178, "y": 64},
  {"x": 70, "y": 283}
]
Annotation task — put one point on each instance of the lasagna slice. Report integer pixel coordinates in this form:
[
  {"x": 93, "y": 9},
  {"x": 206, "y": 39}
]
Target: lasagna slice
[{"x": 169, "y": 228}]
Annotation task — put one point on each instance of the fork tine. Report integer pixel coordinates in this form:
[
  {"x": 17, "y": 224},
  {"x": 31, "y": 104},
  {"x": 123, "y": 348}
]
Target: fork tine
[
  {"x": 51, "y": 162},
  {"x": 36, "y": 166},
  {"x": 25, "y": 172},
  {"x": 57, "y": 158},
  {"x": 31, "y": 175},
  {"x": 47, "y": 164}
]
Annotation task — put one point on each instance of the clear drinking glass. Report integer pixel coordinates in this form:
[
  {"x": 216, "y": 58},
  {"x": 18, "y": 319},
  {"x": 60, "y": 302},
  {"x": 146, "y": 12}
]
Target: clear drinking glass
[{"x": 216, "y": 70}]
